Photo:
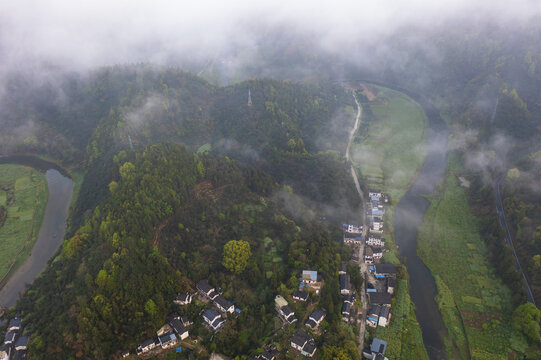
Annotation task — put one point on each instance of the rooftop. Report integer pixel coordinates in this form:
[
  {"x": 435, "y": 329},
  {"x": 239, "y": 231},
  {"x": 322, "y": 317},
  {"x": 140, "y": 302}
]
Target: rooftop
[
  {"x": 378, "y": 346},
  {"x": 380, "y": 298}
]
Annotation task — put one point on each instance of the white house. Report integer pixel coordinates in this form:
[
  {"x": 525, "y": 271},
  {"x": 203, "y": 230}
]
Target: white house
[
  {"x": 213, "y": 319},
  {"x": 384, "y": 316},
  {"x": 374, "y": 240},
  {"x": 377, "y": 253}
]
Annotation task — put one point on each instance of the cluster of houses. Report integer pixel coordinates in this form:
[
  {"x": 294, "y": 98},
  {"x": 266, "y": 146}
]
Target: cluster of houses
[
  {"x": 301, "y": 341},
  {"x": 352, "y": 234},
  {"x": 168, "y": 336},
  {"x": 373, "y": 251},
  {"x": 175, "y": 330},
  {"x": 380, "y": 301},
  {"x": 376, "y": 210},
  {"x": 15, "y": 342}
]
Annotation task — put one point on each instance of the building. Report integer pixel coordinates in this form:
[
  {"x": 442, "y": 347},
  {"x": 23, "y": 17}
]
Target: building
[
  {"x": 309, "y": 276},
  {"x": 384, "y": 316},
  {"x": 378, "y": 347},
  {"x": 377, "y": 224},
  {"x": 384, "y": 270},
  {"x": 304, "y": 343},
  {"x": 357, "y": 240},
  {"x": 346, "y": 311},
  {"x": 300, "y": 295},
  {"x": 269, "y": 354},
  {"x": 311, "y": 279},
  {"x": 125, "y": 354},
  {"x": 287, "y": 314},
  {"x": 213, "y": 319},
  {"x": 179, "y": 329},
  {"x": 14, "y": 324},
  {"x": 5, "y": 352},
  {"x": 375, "y": 240},
  {"x": 10, "y": 337},
  {"x": 167, "y": 340},
  {"x": 380, "y": 298},
  {"x": 377, "y": 253},
  {"x": 353, "y": 229},
  {"x": 349, "y": 299},
  {"x": 315, "y": 319},
  {"x": 206, "y": 289},
  {"x": 370, "y": 288},
  {"x": 183, "y": 299},
  {"x": 224, "y": 305},
  {"x": 368, "y": 255},
  {"x": 391, "y": 284},
  {"x": 146, "y": 346},
  {"x": 186, "y": 321},
  {"x": 21, "y": 343},
  {"x": 345, "y": 284},
  {"x": 279, "y": 302},
  {"x": 343, "y": 268},
  {"x": 372, "y": 317},
  {"x": 374, "y": 193}
]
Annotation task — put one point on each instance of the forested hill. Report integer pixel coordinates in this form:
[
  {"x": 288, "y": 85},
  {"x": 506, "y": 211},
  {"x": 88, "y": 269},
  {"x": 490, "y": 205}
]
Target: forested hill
[
  {"x": 162, "y": 229},
  {"x": 295, "y": 132}
]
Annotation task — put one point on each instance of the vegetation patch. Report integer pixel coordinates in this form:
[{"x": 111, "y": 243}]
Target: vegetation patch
[
  {"x": 389, "y": 148},
  {"x": 23, "y": 199},
  {"x": 475, "y": 305}
]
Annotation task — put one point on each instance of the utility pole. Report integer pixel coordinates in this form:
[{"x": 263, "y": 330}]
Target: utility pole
[{"x": 249, "y": 98}]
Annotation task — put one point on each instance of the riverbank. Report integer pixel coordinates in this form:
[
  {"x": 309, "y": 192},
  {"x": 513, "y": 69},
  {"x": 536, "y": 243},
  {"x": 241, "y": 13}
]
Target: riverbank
[
  {"x": 24, "y": 195},
  {"x": 51, "y": 229},
  {"x": 474, "y": 303}
]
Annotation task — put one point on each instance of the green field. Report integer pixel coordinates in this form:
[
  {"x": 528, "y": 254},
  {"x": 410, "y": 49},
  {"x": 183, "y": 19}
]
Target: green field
[
  {"x": 475, "y": 305},
  {"x": 389, "y": 149},
  {"x": 23, "y": 192}
]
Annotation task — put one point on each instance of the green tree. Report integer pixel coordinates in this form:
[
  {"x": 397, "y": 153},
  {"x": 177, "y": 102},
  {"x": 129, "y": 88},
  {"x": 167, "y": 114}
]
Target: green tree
[
  {"x": 127, "y": 170},
  {"x": 236, "y": 256},
  {"x": 526, "y": 319}
]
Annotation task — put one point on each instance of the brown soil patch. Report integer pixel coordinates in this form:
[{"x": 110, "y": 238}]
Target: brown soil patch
[{"x": 368, "y": 92}]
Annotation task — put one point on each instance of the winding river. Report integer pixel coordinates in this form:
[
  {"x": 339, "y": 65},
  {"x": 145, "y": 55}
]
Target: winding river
[
  {"x": 51, "y": 233},
  {"x": 408, "y": 217}
]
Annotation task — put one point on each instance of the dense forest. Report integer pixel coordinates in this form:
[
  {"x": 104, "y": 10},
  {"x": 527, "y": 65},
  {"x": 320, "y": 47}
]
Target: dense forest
[
  {"x": 162, "y": 229},
  {"x": 152, "y": 216},
  {"x": 522, "y": 203}
]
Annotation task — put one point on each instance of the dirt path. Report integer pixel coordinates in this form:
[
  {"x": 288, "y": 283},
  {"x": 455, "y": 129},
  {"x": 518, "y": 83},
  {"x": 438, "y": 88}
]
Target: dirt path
[{"x": 362, "y": 265}]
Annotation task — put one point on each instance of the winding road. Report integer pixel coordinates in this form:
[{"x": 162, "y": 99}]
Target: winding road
[{"x": 362, "y": 327}]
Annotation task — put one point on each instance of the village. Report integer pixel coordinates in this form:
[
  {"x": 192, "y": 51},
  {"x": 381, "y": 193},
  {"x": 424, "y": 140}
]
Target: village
[{"x": 371, "y": 307}]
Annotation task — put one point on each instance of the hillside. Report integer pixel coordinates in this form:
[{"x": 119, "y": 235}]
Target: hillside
[{"x": 161, "y": 230}]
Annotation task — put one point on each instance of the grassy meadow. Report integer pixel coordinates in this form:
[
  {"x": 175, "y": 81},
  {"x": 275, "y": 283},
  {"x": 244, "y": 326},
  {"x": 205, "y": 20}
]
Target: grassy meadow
[
  {"x": 475, "y": 305},
  {"x": 389, "y": 149},
  {"x": 23, "y": 192}
]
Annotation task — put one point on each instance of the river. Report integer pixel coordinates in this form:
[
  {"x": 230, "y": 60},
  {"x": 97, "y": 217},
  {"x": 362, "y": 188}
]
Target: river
[
  {"x": 51, "y": 233},
  {"x": 408, "y": 217}
]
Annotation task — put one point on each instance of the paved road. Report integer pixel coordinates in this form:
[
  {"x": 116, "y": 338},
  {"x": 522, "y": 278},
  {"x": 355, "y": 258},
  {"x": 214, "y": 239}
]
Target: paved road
[
  {"x": 362, "y": 265},
  {"x": 503, "y": 223}
]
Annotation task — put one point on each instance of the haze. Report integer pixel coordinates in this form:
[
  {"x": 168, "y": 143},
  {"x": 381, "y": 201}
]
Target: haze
[{"x": 81, "y": 35}]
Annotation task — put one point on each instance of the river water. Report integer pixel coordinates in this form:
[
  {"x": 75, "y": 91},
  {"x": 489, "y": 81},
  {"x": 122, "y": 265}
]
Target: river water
[
  {"x": 408, "y": 217},
  {"x": 51, "y": 233}
]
